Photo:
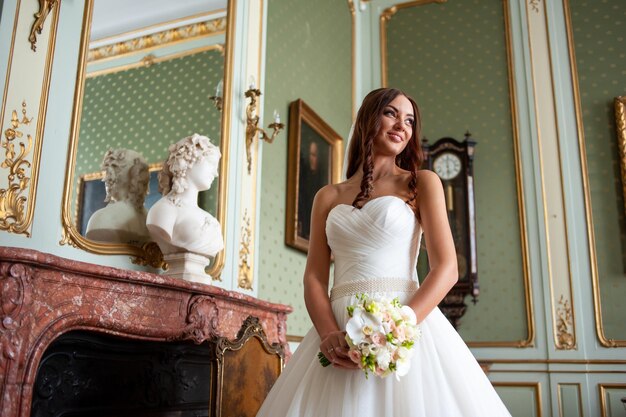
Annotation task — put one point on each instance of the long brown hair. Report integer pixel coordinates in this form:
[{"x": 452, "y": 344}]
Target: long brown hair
[{"x": 366, "y": 127}]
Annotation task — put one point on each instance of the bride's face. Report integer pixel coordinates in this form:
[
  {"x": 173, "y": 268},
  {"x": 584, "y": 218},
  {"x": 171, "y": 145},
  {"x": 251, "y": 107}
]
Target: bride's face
[{"x": 396, "y": 127}]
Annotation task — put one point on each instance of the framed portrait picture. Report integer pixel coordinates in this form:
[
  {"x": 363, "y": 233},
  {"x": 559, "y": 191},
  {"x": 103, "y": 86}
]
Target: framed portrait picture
[
  {"x": 315, "y": 159},
  {"x": 92, "y": 193}
]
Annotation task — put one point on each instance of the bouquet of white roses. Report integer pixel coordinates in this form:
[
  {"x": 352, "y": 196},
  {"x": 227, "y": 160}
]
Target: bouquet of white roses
[{"x": 381, "y": 334}]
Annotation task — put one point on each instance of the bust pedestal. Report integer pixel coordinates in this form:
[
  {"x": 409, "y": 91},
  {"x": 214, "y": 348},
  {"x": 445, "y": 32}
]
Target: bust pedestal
[{"x": 188, "y": 266}]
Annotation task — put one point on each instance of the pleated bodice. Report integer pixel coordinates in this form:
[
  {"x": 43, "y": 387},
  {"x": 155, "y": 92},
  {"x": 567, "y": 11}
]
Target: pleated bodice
[{"x": 380, "y": 240}]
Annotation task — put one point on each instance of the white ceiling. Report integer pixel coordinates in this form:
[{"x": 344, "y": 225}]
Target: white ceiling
[{"x": 114, "y": 17}]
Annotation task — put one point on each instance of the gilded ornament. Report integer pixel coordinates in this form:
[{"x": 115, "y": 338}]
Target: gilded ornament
[
  {"x": 45, "y": 7},
  {"x": 620, "y": 124},
  {"x": 12, "y": 213},
  {"x": 534, "y": 4},
  {"x": 151, "y": 256},
  {"x": 245, "y": 278},
  {"x": 159, "y": 39},
  {"x": 564, "y": 325}
]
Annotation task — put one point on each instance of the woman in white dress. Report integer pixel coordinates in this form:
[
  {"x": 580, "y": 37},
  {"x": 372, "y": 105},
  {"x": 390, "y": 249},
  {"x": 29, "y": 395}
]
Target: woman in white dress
[{"x": 372, "y": 223}]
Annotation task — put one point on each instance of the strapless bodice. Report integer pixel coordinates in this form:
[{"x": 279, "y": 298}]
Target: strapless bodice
[{"x": 380, "y": 240}]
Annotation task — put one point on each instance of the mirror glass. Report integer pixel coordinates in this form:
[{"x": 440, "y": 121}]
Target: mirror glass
[{"x": 153, "y": 71}]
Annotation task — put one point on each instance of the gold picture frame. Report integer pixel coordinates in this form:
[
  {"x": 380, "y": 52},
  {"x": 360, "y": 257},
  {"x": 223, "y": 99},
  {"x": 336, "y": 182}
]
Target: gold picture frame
[
  {"x": 620, "y": 126},
  {"x": 315, "y": 153}
]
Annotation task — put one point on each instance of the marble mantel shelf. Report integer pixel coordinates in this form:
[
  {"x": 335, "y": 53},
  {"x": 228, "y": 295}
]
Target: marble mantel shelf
[{"x": 43, "y": 296}]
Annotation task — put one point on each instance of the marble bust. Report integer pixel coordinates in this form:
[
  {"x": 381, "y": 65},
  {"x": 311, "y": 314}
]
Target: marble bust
[
  {"x": 123, "y": 219},
  {"x": 176, "y": 222}
]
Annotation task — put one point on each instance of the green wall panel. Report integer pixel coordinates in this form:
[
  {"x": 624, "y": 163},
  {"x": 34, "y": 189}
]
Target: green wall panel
[
  {"x": 452, "y": 59},
  {"x": 308, "y": 57},
  {"x": 600, "y": 50},
  {"x": 520, "y": 400}
]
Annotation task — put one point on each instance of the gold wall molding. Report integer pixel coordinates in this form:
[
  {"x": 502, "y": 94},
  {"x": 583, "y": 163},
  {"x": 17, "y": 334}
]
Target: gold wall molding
[
  {"x": 560, "y": 398},
  {"x": 244, "y": 279},
  {"x": 603, "y": 388},
  {"x": 552, "y": 191},
  {"x": 19, "y": 197},
  {"x": 12, "y": 214},
  {"x": 536, "y": 387},
  {"x": 45, "y": 7},
  {"x": 385, "y": 16},
  {"x": 595, "y": 280},
  {"x": 620, "y": 125},
  {"x": 352, "y": 9},
  {"x": 565, "y": 325},
  {"x": 151, "y": 59},
  {"x": 146, "y": 254},
  {"x": 158, "y": 40}
]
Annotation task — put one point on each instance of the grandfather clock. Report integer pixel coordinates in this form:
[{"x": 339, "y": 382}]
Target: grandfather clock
[{"x": 452, "y": 161}]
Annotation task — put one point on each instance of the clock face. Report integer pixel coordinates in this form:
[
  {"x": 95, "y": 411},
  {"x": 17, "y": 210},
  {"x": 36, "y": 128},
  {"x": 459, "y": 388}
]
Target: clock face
[{"x": 447, "y": 165}]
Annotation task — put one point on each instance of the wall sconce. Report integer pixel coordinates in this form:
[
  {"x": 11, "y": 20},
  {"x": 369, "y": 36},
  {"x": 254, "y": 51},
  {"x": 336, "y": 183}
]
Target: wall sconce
[
  {"x": 217, "y": 98},
  {"x": 252, "y": 122}
]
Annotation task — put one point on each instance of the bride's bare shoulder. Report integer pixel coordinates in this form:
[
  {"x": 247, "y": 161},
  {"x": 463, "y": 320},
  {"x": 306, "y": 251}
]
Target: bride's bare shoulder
[
  {"x": 327, "y": 195},
  {"x": 427, "y": 178},
  {"x": 330, "y": 195}
]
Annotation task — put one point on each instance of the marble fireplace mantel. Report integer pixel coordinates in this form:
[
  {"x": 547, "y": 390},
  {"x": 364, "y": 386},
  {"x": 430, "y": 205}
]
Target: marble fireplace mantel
[{"x": 43, "y": 296}]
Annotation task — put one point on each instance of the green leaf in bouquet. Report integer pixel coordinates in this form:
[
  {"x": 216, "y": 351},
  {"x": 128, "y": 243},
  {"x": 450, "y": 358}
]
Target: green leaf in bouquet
[{"x": 323, "y": 359}]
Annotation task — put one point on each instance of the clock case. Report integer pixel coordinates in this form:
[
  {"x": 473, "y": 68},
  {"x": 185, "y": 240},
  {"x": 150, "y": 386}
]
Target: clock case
[{"x": 459, "y": 194}]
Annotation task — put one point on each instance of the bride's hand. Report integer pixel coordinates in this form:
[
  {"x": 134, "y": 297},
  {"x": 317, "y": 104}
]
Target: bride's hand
[{"x": 335, "y": 348}]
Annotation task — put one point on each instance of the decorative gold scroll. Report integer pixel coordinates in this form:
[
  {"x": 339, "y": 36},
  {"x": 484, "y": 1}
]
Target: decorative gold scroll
[
  {"x": 158, "y": 40},
  {"x": 45, "y": 7},
  {"x": 12, "y": 214},
  {"x": 245, "y": 273},
  {"x": 565, "y": 325}
]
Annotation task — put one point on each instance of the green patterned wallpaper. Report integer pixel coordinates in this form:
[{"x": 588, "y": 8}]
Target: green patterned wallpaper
[
  {"x": 149, "y": 108},
  {"x": 457, "y": 71},
  {"x": 599, "y": 31},
  {"x": 308, "y": 57}
]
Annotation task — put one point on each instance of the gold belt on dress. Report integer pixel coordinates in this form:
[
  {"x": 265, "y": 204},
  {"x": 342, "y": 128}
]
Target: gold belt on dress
[{"x": 372, "y": 286}]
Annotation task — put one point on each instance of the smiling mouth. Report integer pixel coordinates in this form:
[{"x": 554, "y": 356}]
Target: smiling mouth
[{"x": 395, "y": 137}]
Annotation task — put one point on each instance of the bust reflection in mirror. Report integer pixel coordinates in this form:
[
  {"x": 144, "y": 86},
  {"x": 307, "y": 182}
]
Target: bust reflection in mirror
[
  {"x": 187, "y": 235},
  {"x": 123, "y": 220}
]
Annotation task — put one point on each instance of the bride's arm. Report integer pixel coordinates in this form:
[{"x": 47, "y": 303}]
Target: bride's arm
[
  {"x": 316, "y": 275},
  {"x": 443, "y": 272}
]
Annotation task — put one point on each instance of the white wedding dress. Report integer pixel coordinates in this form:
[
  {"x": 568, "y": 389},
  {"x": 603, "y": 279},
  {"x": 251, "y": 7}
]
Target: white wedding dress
[{"x": 375, "y": 250}]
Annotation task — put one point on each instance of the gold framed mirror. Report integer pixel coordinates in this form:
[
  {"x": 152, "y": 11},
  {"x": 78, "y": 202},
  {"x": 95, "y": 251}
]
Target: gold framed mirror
[{"x": 142, "y": 84}]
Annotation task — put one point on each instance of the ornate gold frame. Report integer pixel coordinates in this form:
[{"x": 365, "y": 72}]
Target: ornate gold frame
[
  {"x": 386, "y": 15},
  {"x": 620, "y": 126},
  {"x": 300, "y": 112},
  {"x": 595, "y": 279},
  {"x": 168, "y": 37},
  {"x": 149, "y": 253},
  {"x": 251, "y": 328}
]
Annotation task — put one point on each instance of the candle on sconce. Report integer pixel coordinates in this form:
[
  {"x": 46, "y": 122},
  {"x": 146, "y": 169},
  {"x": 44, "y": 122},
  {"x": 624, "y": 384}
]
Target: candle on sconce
[
  {"x": 219, "y": 88},
  {"x": 251, "y": 81},
  {"x": 276, "y": 116}
]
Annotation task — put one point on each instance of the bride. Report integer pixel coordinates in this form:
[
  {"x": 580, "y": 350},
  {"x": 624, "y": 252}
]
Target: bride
[{"x": 372, "y": 224}]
